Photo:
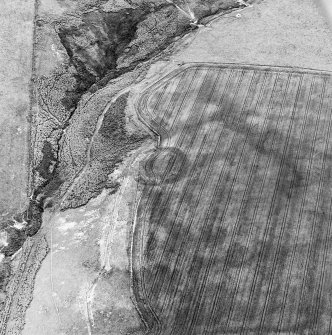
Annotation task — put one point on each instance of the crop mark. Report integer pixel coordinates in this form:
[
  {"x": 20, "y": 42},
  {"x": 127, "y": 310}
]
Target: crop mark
[
  {"x": 225, "y": 194},
  {"x": 259, "y": 102},
  {"x": 180, "y": 141},
  {"x": 322, "y": 272},
  {"x": 206, "y": 221},
  {"x": 286, "y": 291},
  {"x": 181, "y": 200},
  {"x": 242, "y": 208},
  {"x": 266, "y": 230},
  {"x": 281, "y": 234},
  {"x": 247, "y": 189},
  {"x": 314, "y": 223},
  {"x": 184, "y": 240}
]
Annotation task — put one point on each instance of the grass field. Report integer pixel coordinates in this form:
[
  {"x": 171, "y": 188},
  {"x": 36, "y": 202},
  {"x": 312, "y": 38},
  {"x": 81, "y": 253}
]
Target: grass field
[
  {"x": 16, "y": 26},
  {"x": 233, "y": 231}
]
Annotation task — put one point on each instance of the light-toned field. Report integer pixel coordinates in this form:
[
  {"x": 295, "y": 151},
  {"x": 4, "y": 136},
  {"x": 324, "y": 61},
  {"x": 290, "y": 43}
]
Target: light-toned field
[
  {"x": 233, "y": 228},
  {"x": 16, "y": 26}
]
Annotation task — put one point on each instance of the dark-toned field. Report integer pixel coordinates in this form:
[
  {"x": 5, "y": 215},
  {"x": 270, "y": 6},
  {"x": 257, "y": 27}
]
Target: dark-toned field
[{"x": 233, "y": 231}]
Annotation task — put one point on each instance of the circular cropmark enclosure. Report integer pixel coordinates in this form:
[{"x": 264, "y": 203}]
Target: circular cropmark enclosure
[{"x": 163, "y": 165}]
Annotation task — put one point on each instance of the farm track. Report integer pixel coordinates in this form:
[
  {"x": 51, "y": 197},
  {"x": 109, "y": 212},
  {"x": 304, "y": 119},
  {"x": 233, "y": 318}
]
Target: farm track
[{"x": 239, "y": 241}]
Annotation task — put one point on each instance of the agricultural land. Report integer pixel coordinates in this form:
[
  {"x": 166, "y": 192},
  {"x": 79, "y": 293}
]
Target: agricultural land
[{"x": 165, "y": 167}]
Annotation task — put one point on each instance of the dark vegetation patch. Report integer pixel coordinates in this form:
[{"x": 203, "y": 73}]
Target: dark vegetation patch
[
  {"x": 94, "y": 46},
  {"x": 112, "y": 144},
  {"x": 46, "y": 167},
  {"x": 113, "y": 126},
  {"x": 20, "y": 227},
  {"x": 47, "y": 170},
  {"x": 5, "y": 272}
]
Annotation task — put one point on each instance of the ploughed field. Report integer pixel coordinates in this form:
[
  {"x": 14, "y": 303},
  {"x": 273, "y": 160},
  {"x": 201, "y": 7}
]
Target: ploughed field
[{"x": 233, "y": 230}]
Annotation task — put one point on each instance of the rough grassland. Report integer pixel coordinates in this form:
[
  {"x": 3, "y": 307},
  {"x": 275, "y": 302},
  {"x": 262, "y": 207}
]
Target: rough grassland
[{"x": 239, "y": 242}]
